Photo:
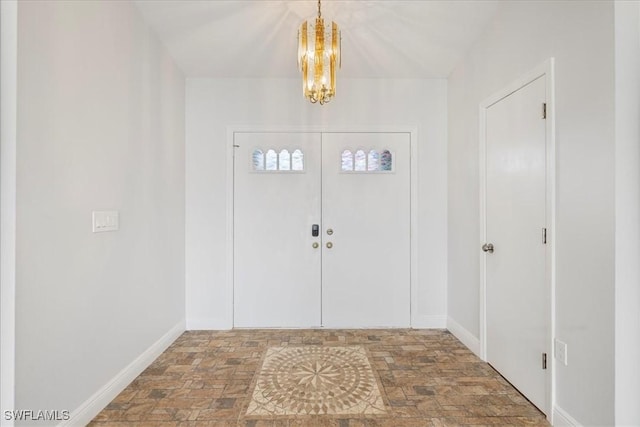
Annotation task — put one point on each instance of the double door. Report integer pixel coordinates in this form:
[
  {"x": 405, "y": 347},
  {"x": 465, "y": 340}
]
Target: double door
[{"x": 322, "y": 230}]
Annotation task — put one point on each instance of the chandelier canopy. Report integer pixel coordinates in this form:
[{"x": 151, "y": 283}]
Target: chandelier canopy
[{"x": 318, "y": 58}]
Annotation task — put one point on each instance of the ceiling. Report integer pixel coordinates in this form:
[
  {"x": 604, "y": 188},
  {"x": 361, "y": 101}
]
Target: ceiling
[{"x": 258, "y": 38}]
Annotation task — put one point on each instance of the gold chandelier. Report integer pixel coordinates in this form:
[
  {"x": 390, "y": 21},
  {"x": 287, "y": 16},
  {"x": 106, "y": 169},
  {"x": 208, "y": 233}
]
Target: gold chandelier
[{"x": 318, "y": 57}]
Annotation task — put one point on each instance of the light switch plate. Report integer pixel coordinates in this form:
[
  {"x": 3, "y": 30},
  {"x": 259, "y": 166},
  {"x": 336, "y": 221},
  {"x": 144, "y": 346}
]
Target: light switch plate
[
  {"x": 105, "y": 221},
  {"x": 561, "y": 352}
]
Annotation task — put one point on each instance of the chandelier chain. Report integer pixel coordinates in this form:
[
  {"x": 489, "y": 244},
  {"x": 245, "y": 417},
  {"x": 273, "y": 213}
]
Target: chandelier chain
[{"x": 319, "y": 13}]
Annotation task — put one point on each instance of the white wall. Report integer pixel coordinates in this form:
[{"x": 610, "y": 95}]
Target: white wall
[
  {"x": 100, "y": 126},
  {"x": 627, "y": 63},
  {"x": 580, "y": 36},
  {"x": 8, "y": 107},
  {"x": 213, "y": 105}
]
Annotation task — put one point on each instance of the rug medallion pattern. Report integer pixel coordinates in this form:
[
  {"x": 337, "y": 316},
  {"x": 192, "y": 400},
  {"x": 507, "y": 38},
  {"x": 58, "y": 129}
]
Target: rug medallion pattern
[{"x": 316, "y": 380}]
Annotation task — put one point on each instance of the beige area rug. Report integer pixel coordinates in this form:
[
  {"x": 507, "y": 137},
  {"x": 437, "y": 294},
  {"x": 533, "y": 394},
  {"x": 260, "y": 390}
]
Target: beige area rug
[{"x": 316, "y": 380}]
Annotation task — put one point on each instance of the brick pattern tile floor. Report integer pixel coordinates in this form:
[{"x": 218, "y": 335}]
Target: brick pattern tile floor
[{"x": 426, "y": 378}]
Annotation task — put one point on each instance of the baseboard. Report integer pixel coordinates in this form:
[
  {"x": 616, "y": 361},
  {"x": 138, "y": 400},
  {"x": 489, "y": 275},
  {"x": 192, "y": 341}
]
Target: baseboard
[
  {"x": 417, "y": 322},
  {"x": 562, "y": 419},
  {"x": 100, "y": 399},
  {"x": 209, "y": 324},
  {"x": 466, "y": 337},
  {"x": 429, "y": 322}
]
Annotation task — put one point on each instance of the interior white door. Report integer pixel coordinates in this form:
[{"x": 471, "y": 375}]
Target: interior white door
[
  {"x": 366, "y": 233},
  {"x": 276, "y": 202},
  {"x": 517, "y": 305}
]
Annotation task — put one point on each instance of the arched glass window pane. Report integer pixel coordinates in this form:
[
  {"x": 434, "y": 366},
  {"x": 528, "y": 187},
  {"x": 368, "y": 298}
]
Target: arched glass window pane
[
  {"x": 297, "y": 161},
  {"x": 373, "y": 163},
  {"x": 271, "y": 161},
  {"x": 361, "y": 161},
  {"x": 347, "y": 161},
  {"x": 258, "y": 160},
  {"x": 284, "y": 160},
  {"x": 386, "y": 161}
]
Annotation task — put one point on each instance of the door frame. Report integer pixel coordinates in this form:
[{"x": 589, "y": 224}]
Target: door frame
[
  {"x": 545, "y": 69},
  {"x": 412, "y": 131}
]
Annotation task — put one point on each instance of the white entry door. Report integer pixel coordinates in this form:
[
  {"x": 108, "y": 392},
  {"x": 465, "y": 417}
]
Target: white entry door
[
  {"x": 354, "y": 269},
  {"x": 366, "y": 216},
  {"x": 276, "y": 202},
  {"x": 517, "y": 296}
]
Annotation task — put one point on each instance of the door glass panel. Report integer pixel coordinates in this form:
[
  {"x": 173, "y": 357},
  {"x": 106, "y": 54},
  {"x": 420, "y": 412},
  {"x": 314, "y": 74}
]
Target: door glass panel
[
  {"x": 386, "y": 161},
  {"x": 284, "y": 161},
  {"x": 272, "y": 161},
  {"x": 297, "y": 161},
  {"x": 373, "y": 161},
  {"x": 258, "y": 160},
  {"x": 347, "y": 161},
  {"x": 361, "y": 161}
]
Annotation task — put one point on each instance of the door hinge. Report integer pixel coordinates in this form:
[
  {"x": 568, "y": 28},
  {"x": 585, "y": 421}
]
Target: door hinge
[
  {"x": 544, "y": 360},
  {"x": 544, "y": 236},
  {"x": 544, "y": 110}
]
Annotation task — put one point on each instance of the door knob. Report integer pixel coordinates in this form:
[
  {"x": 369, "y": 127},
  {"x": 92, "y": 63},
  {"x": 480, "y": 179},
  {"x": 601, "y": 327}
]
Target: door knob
[
  {"x": 315, "y": 245},
  {"x": 329, "y": 245},
  {"x": 488, "y": 247}
]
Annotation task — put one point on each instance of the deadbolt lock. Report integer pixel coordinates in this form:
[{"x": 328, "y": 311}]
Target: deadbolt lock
[
  {"x": 330, "y": 231},
  {"x": 488, "y": 247}
]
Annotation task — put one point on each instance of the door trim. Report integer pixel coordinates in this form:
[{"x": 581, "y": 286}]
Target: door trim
[
  {"x": 544, "y": 69},
  {"x": 415, "y": 319}
]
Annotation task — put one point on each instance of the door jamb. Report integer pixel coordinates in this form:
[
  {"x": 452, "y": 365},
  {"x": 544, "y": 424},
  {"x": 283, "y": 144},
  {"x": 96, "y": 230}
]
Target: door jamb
[
  {"x": 413, "y": 227},
  {"x": 544, "y": 69}
]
